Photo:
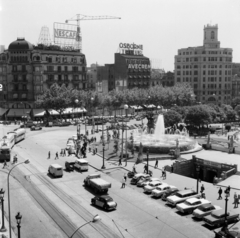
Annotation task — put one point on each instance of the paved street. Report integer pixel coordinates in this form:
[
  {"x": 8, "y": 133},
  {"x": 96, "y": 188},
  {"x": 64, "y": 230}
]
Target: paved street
[{"x": 137, "y": 214}]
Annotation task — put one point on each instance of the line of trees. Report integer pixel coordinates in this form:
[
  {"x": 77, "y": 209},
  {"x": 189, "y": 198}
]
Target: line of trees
[{"x": 180, "y": 99}]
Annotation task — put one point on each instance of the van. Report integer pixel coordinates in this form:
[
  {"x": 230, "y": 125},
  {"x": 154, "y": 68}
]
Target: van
[
  {"x": 55, "y": 170},
  {"x": 81, "y": 164}
]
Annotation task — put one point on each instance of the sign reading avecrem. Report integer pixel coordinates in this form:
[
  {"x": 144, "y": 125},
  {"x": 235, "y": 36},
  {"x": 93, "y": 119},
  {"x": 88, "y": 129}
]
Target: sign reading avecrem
[{"x": 139, "y": 66}]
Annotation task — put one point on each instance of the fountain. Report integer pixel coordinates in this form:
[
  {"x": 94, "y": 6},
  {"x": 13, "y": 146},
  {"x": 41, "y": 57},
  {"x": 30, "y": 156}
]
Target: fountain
[{"x": 161, "y": 143}]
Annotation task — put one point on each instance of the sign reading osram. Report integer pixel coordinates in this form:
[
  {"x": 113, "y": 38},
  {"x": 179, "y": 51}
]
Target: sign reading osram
[{"x": 59, "y": 33}]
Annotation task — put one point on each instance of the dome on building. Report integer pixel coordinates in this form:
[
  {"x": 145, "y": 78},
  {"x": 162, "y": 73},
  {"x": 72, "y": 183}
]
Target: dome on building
[{"x": 20, "y": 44}]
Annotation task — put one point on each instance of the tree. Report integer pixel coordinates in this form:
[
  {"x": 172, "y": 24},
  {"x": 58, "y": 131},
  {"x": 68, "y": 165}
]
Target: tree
[
  {"x": 198, "y": 115},
  {"x": 172, "y": 117},
  {"x": 237, "y": 110},
  {"x": 230, "y": 113},
  {"x": 56, "y": 97},
  {"x": 235, "y": 101}
]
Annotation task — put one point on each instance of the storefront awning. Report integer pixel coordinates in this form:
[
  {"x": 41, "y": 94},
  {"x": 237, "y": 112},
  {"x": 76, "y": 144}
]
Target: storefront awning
[
  {"x": 2, "y": 111},
  {"x": 78, "y": 110},
  {"x": 18, "y": 112},
  {"x": 53, "y": 112},
  {"x": 38, "y": 112},
  {"x": 68, "y": 110}
]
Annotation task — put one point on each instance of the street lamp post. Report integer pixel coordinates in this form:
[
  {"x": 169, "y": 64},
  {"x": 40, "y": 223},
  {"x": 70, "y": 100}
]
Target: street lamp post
[
  {"x": 93, "y": 124},
  {"x": 103, "y": 165},
  {"x": 197, "y": 169},
  {"x": 18, "y": 218},
  {"x": 3, "y": 229},
  {"x": 9, "y": 207},
  {"x": 147, "y": 159},
  {"x": 126, "y": 109},
  {"x": 78, "y": 129},
  {"x": 96, "y": 218}
]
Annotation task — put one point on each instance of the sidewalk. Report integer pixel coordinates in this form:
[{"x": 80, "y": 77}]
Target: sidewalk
[{"x": 5, "y": 234}]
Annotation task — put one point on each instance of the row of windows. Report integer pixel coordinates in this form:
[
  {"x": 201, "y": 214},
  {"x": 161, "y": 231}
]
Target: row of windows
[
  {"x": 227, "y": 86},
  {"x": 19, "y": 58},
  {"x": 205, "y": 52},
  {"x": 209, "y": 72},
  {"x": 63, "y": 68},
  {"x": 210, "y": 79},
  {"x": 204, "y": 66},
  {"x": 19, "y": 87},
  {"x": 209, "y": 59},
  {"x": 64, "y": 77}
]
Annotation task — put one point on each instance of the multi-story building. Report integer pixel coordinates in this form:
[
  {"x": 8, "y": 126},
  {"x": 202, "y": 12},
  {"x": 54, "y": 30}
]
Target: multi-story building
[
  {"x": 26, "y": 70},
  {"x": 207, "y": 68},
  {"x": 159, "y": 77},
  {"x": 235, "y": 80},
  {"x": 92, "y": 77}
]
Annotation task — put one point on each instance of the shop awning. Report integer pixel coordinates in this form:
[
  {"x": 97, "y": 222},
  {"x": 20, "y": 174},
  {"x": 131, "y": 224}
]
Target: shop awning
[
  {"x": 18, "y": 112},
  {"x": 78, "y": 110},
  {"x": 2, "y": 111},
  {"x": 68, "y": 110},
  {"x": 38, "y": 112},
  {"x": 53, "y": 112}
]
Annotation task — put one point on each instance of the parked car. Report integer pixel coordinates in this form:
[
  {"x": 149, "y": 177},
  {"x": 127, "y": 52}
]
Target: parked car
[
  {"x": 36, "y": 128},
  {"x": 69, "y": 166},
  {"x": 105, "y": 202},
  {"x": 66, "y": 123},
  {"x": 217, "y": 218},
  {"x": 137, "y": 177},
  {"x": 181, "y": 196},
  {"x": 55, "y": 170},
  {"x": 190, "y": 204},
  {"x": 160, "y": 190},
  {"x": 169, "y": 192},
  {"x": 145, "y": 181},
  {"x": 148, "y": 188},
  {"x": 204, "y": 210}
]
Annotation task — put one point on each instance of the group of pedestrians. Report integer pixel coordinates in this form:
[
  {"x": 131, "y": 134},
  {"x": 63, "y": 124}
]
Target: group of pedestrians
[{"x": 15, "y": 160}]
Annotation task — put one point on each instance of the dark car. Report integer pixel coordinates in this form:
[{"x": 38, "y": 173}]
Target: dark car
[
  {"x": 217, "y": 218},
  {"x": 69, "y": 166},
  {"x": 6, "y": 123},
  {"x": 105, "y": 202},
  {"x": 36, "y": 128},
  {"x": 65, "y": 123},
  {"x": 169, "y": 192}
]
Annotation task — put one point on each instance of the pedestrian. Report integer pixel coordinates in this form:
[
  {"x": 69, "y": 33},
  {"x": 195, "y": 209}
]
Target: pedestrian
[
  {"x": 235, "y": 200},
  {"x": 5, "y": 164},
  {"x": 220, "y": 193},
  {"x": 134, "y": 169},
  {"x": 202, "y": 189},
  {"x": 56, "y": 155},
  {"x": 172, "y": 168},
  {"x": 156, "y": 164},
  {"x": 165, "y": 174},
  {"x": 119, "y": 161},
  {"x": 145, "y": 168},
  {"x": 228, "y": 189},
  {"x": 49, "y": 154},
  {"x": 64, "y": 152},
  {"x": 61, "y": 153},
  {"x": 123, "y": 182},
  {"x": 203, "y": 195},
  {"x": 125, "y": 177}
]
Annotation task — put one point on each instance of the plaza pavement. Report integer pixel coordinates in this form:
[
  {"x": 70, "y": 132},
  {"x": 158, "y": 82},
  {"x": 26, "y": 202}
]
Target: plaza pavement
[{"x": 174, "y": 179}]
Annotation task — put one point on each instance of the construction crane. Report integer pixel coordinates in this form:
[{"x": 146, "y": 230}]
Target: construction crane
[{"x": 80, "y": 17}]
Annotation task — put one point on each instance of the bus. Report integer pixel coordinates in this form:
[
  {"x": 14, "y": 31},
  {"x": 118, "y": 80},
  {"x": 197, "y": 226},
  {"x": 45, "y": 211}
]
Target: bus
[
  {"x": 96, "y": 120},
  {"x": 9, "y": 140},
  {"x": 19, "y": 134},
  {"x": 5, "y": 150}
]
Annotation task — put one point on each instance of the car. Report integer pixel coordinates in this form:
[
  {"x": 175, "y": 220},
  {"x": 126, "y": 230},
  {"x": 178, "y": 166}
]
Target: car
[
  {"x": 148, "y": 188},
  {"x": 105, "y": 202},
  {"x": 204, "y": 210},
  {"x": 190, "y": 204},
  {"x": 138, "y": 176},
  {"x": 160, "y": 190},
  {"x": 145, "y": 181},
  {"x": 66, "y": 123},
  {"x": 36, "y": 128},
  {"x": 169, "y": 192},
  {"x": 217, "y": 218},
  {"x": 69, "y": 166},
  {"x": 181, "y": 196},
  {"x": 6, "y": 123}
]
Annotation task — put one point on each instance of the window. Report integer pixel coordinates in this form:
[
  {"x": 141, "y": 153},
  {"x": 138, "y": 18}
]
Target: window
[
  {"x": 212, "y": 35},
  {"x": 195, "y": 79},
  {"x": 59, "y": 68},
  {"x": 195, "y": 72}
]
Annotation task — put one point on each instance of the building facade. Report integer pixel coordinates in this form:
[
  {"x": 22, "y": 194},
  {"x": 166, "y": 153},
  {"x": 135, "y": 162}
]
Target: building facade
[
  {"x": 92, "y": 77},
  {"x": 26, "y": 70},
  {"x": 207, "y": 68}
]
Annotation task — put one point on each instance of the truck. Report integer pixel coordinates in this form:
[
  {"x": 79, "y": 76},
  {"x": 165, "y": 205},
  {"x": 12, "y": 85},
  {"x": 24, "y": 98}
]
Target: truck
[{"x": 95, "y": 182}]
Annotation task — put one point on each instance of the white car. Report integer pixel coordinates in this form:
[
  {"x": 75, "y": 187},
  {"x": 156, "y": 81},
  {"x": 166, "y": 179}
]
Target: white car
[
  {"x": 190, "y": 204},
  {"x": 204, "y": 210},
  {"x": 160, "y": 190},
  {"x": 146, "y": 182},
  {"x": 148, "y": 188},
  {"x": 182, "y": 196}
]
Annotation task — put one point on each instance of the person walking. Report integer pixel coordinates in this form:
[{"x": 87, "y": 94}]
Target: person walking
[
  {"x": 134, "y": 169},
  {"x": 5, "y": 164},
  {"x": 156, "y": 164},
  {"x": 235, "y": 201},
  {"x": 123, "y": 182},
  {"x": 202, "y": 189},
  {"x": 119, "y": 161},
  {"x": 172, "y": 168},
  {"x": 125, "y": 177},
  {"x": 220, "y": 193},
  {"x": 145, "y": 168},
  {"x": 56, "y": 156},
  {"x": 49, "y": 154},
  {"x": 165, "y": 174}
]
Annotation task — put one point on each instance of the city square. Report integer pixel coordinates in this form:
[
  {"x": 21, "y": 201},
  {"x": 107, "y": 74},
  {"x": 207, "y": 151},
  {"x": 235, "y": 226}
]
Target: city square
[{"x": 111, "y": 128}]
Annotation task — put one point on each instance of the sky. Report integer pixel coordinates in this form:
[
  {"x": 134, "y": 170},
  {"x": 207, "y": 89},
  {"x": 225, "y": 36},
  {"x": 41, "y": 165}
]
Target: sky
[{"x": 161, "y": 26}]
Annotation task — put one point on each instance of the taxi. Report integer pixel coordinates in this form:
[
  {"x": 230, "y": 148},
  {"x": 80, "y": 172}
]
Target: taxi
[
  {"x": 105, "y": 202},
  {"x": 148, "y": 188}
]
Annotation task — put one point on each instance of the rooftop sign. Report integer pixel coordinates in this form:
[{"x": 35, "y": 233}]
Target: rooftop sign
[{"x": 130, "y": 49}]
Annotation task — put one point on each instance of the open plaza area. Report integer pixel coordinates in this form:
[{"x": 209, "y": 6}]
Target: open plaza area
[{"x": 57, "y": 207}]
